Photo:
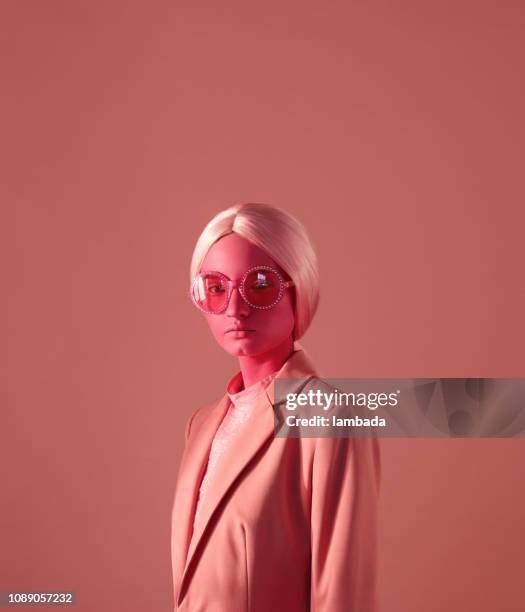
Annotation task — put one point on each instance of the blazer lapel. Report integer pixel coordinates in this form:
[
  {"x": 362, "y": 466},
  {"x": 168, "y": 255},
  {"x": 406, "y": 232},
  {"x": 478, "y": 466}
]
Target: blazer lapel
[
  {"x": 192, "y": 467},
  {"x": 257, "y": 431}
]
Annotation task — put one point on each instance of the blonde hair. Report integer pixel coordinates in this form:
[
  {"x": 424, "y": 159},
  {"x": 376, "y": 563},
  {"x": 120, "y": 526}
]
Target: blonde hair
[{"x": 283, "y": 237}]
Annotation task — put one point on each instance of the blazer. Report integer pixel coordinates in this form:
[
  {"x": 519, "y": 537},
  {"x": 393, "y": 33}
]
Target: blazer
[{"x": 288, "y": 524}]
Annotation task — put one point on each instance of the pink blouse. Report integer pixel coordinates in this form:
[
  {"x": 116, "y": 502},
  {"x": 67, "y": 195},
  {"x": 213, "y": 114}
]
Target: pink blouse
[{"x": 238, "y": 412}]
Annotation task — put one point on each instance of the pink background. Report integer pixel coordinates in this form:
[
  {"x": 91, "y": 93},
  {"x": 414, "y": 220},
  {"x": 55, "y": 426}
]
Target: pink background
[{"x": 393, "y": 130}]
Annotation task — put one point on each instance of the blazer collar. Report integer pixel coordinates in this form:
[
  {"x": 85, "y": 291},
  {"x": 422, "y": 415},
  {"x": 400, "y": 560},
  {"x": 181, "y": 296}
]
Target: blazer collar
[{"x": 258, "y": 432}]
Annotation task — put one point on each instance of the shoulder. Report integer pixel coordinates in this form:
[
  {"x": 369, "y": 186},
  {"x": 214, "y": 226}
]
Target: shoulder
[
  {"x": 355, "y": 447},
  {"x": 198, "y": 417}
]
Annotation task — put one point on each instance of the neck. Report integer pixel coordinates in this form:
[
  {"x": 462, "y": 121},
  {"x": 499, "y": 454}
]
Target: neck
[{"x": 256, "y": 367}]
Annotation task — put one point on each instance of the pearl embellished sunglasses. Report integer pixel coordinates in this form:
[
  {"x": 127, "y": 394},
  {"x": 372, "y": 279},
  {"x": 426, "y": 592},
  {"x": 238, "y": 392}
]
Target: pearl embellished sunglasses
[{"x": 260, "y": 287}]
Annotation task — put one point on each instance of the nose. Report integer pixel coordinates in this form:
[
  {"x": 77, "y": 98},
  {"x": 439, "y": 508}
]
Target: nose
[{"x": 237, "y": 307}]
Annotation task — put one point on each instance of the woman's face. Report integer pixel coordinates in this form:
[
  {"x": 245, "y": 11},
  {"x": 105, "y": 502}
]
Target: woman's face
[{"x": 265, "y": 329}]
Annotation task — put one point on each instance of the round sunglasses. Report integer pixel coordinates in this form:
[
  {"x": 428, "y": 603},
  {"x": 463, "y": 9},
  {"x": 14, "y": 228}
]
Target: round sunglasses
[{"x": 260, "y": 287}]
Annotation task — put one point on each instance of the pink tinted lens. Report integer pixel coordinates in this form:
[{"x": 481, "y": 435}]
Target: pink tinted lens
[
  {"x": 262, "y": 288},
  {"x": 210, "y": 292}
]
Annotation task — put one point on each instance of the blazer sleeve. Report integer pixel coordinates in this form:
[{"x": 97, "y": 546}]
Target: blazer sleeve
[{"x": 346, "y": 475}]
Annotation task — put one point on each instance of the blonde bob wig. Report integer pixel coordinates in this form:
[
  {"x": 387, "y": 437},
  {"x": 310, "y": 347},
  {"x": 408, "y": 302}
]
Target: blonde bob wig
[{"x": 283, "y": 237}]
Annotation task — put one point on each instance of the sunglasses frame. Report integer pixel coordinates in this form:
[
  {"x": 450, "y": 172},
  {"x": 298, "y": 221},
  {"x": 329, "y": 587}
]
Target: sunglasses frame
[{"x": 233, "y": 284}]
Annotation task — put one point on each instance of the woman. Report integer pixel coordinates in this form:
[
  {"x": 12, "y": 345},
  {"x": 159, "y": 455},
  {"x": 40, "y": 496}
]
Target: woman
[{"x": 263, "y": 523}]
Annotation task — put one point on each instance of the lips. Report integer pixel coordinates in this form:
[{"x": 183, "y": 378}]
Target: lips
[{"x": 238, "y": 329}]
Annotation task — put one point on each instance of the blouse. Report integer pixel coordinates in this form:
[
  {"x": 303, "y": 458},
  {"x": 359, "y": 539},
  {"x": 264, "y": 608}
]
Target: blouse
[{"x": 237, "y": 414}]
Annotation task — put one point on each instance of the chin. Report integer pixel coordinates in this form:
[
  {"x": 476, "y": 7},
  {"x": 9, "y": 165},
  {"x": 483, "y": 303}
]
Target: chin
[{"x": 244, "y": 347}]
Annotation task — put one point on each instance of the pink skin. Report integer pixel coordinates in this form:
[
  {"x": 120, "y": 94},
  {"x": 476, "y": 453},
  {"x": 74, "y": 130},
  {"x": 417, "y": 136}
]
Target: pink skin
[{"x": 267, "y": 341}]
